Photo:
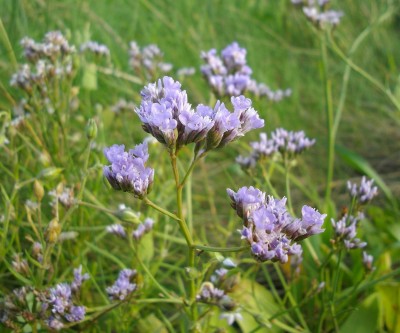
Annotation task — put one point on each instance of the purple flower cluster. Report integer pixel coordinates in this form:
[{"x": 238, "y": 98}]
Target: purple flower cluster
[
  {"x": 367, "y": 260},
  {"x": 128, "y": 171},
  {"x": 95, "y": 48},
  {"x": 60, "y": 302},
  {"x": 229, "y": 74},
  {"x": 345, "y": 231},
  {"x": 141, "y": 230},
  {"x": 122, "y": 287},
  {"x": 167, "y": 115},
  {"x": 287, "y": 143},
  {"x": 147, "y": 60},
  {"x": 364, "y": 192},
  {"x": 269, "y": 228},
  {"x": 316, "y": 11},
  {"x": 209, "y": 293}
]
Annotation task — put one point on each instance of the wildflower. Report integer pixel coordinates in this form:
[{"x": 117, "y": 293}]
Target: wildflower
[
  {"x": 148, "y": 60},
  {"x": 367, "y": 261},
  {"x": 117, "y": 230},
  {"x": 345, "y": 231},
  {"x": 127, "y": 171},
  {"x": 231, "y": 317},
  {"x": 317, "y": 12},
  {"x": 96, "y": 48},
  {"x": 20, "y": 265},
  {"x": 269, "y": 228},
  {"x": 186, "y": 71},
  {"x": 37, "y": 251},
  {"x": 143, "y": 228},
  {"x": 229, "y": 74},
  {"x": 64, "y": 195},
  {"x": 209, "y": 293},
  {"x": 78, "y": 278},
  {"x": 288, "y": 144},
  {"x": 122, "y": 105},
  {"x": 122, "y": 287},
  {"x": 363, "y": 193}
]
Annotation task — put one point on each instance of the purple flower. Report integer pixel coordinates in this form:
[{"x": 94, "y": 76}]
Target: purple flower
[
  {"x": 122, "y": 287},
  {"x": 209, "y": 293},
  {"x": 345, "y": 231},
  {"x": 127, "y": 171},
  {"x": 77, "y": 313},
  {"x": 363, "y": 193},
  {"x": 317, "y": 13},
  {"x": 229, "y": 74},
  {"x": 269, "y": 228},
  {"x": 116, "y": 229},
  {"x": 78, "y": 278},
  {"x": 367, "y": 261},
  {"x": 143, "y": 228}
]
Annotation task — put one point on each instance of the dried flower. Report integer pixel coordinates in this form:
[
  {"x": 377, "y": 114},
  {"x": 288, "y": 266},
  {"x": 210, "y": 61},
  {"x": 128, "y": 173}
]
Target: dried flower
[{"x": 128, "y": 171}]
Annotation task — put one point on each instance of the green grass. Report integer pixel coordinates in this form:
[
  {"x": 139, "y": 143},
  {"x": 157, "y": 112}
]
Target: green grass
[{"x": 283, "y": 51}]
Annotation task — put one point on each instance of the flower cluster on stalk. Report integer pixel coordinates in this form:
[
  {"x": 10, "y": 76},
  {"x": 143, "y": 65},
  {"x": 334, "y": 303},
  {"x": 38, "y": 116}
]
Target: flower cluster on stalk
[
  {"x": 318, "y": 13},
  {"x": 128, "y": 171},
  {"x": 58, "y": 305},
  {"x": 364, "y": 192},
  {"x": 345, "y": 231},
  {"x": 143, "y": 228},
  {"x": 272, "y": 232},
  {"x": 96, "y": 48},
  {"x": 167, "y": 115},
  {"x": 229, "y": 74},
  {"x": 123, "y": 286},
  {"x": 288, "y": 144}
]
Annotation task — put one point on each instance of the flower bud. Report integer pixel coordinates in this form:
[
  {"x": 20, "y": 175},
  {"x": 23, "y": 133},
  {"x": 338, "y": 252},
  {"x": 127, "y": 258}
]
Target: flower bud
[
  {"x": 53, "y": 231},
  {"x": 128, "y": 215},
  {"x": 51, "y": 172},
  {"x": 38, "y": 190},
  {"x": 91, "y": 129}
]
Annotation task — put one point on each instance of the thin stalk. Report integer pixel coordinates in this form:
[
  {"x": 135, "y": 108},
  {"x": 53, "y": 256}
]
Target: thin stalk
[
  {"x": 161, "y": 210},
  {"x": 287, "y": 185},
  {"x": 220, "y": 249},
  {"x": 329, "y": 119}
]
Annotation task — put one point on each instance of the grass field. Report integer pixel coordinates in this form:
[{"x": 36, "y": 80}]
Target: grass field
[{"x": 345, "y": 86}]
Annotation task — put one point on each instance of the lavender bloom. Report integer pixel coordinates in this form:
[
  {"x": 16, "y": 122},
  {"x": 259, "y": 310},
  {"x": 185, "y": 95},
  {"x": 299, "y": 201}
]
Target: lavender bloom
[
  {"x": 317, "y": 12},
  {"x": 128, "y": 171},
  {"x": 345, "y": 231},
  {"x": 269, "y": 228},
  {"x": 148, "y": 60},
  {"x": 143, "y": 228},
  {"x": 363, "y": 193},
  {"x": 117, "y": 230},
  {"x": 122, "y": 287},
  {"x": 78, "y": 279},
  {"x": 209, "y": 293},
  {"x": 287, "y": 143},
  {"x": 229, "y": 126},
  {"x": 95, "y": 48},
  {"x": 229, "y": 74},
  {"x": 367, "y": 261}
]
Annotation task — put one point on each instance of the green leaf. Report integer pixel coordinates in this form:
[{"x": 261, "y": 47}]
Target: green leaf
[
  {"x": 360, "y": 164},
  {"x": 363, "y": 319},
  {"x": 146, "y": 247},
  {"x": 89, "y": 79},
  {"x": 151, "y": 324},
  {"x": 259, "y": 304},
  {"x": 389, "y": 297}
]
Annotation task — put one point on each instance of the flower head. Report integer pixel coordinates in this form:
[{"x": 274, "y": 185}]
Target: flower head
[
  {"x": 122, "y": 287},
  {"x": 364, "y": 192},
  {"x": 271, "y": 231},
  {"x": 128, "y": 171}
]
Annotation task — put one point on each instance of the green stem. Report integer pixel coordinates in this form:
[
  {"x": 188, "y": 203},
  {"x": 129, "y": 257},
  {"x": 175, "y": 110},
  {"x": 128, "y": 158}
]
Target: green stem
[
  {"x": 161, "y": 210},
  {"x": 329, "y": 119},
  {"x": 290, "y": 297},
  {"x": 220, "y": 249},
  {"x": 287, "y": 185}
]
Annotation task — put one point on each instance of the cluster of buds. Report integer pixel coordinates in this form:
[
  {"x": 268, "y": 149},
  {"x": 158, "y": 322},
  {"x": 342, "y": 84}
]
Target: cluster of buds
[
  {"x": 229, "y": 74},
  {"x": 318, "y": 13},
  {"x": 364, "y": 192},
  {"x": 345, "y": 231},
  {"x": 272, "y": 232},
  {"x": 167, "y": 115},
  {"x": 288, "y": 144},
  {"x": 137, "y": 234}
]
